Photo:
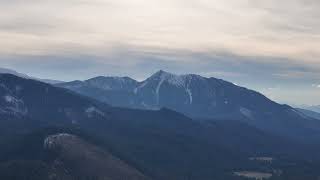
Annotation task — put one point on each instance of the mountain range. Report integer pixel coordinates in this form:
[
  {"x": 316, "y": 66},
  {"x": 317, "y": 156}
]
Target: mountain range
[
  {"x": 49, "y": 132},
  {"x": 199, "y": 98}
]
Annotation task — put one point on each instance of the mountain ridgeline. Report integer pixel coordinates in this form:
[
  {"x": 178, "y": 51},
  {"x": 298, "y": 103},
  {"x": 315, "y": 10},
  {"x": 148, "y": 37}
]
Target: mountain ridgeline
[
  {"x": 9, "y": 71},
  {"x": 190, "y": 94},
  {"x": 48, "y": 132},
  {"x": 199, "y": 98}
]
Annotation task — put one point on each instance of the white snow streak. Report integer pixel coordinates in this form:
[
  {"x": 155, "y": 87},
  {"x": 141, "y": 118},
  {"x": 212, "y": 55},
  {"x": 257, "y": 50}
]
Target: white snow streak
[
  {"x": 190, "y": 95},
  {"x": 162, "y": 79}
]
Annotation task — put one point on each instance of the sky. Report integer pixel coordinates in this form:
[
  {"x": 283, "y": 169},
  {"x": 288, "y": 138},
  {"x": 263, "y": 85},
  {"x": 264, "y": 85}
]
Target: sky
[{"x": 268, "y": 45}]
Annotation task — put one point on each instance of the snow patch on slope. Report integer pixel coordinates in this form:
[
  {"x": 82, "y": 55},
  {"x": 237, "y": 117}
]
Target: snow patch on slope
[
  {"x": 179, "y": 81},
  {"x": 91, "y": 111},
  {"x": 246, "y": 112},
  {"x": 55, "y": 140},
  {"x": 190, "y": 95},
  {"x": 11, "y": 99},
  {"x": 162, "y": 79},
  {"x": 13, "y": 106},
  {"x": 139, "y": 87}
]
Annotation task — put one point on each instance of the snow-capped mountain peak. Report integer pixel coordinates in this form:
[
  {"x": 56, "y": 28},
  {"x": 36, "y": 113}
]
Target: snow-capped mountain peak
[
  {"x": 174, "y": 79},
  {"x": 190, "y": 94}
]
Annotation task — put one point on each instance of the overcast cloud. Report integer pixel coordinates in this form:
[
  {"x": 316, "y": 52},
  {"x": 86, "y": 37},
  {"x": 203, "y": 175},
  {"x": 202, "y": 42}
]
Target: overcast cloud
[{"x": 268, "y": 45}]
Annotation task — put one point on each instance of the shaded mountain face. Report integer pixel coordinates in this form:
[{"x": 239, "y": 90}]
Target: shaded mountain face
[
  {"x": 152, "y": 141},
  {"x": 200, "y": 98},
  {"x": 9, "y": 71},
  {"x": 309, "y": 113},
  {"x": 29, "y": 99},
  {"x": 83, "y": 159},
  {"x": 46, "y": 155},
  {"x": 193, "y": 95},
  {"x": 312, "y": 108},
  {"x": 161, "y": 144}
]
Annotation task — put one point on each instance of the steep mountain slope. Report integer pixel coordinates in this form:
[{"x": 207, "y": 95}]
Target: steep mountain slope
[
  {"x": 192, "y": 95},
  {"x": 315, "y": 108},
  {"x": 160, "y": 144},
  {"x": 25, "y": 98},
  {"x": 27, "y": 105},
  {"x": 309, "y": 113},
  {"x": 45, "y": 155},
  {"x": 86, "y": 160},
  {"x": 117, "y": 91},
  {"x": 203, "y": 98},
  {"x": 9, "y": 71}
]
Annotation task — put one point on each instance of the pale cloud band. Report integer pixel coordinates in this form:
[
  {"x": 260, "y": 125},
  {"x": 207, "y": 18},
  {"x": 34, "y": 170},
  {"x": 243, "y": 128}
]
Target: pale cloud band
[
  {"x": 228, "y": 39},
  {"x": 287, "y": 28}
]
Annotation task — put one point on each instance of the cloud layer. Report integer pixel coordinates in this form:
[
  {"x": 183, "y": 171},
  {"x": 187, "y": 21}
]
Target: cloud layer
[
  {"x": 287, "y": 28},
  {"x": 259, "y": 44}
]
